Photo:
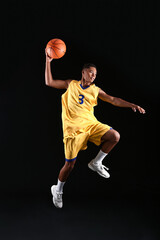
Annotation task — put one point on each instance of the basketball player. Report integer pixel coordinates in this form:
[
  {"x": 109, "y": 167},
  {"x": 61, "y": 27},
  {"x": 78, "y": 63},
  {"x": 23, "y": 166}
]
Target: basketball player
[{"x": 80, "y": 124}]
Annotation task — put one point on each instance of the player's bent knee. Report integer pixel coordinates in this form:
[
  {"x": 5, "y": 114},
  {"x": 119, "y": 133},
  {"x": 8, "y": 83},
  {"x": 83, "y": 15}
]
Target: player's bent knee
[
  {"x": 116, "y": 136},
  {"x": 113, "y": 136}
]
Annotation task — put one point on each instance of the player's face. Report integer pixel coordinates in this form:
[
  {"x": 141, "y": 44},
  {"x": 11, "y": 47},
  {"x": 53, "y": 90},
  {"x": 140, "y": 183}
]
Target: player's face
[{"x": 89, "y": 75}]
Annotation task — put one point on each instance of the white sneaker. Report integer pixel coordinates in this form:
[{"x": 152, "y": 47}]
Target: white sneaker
[
  {"x": 57, "y": 197},
  {"x": 99, "y": 168}
]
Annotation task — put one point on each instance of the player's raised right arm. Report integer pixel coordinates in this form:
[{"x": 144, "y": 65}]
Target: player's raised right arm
[{"x": 60, "y": 84}]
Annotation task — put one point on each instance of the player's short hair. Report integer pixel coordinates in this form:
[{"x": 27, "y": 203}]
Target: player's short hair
[{"x": 88, "y": 65}]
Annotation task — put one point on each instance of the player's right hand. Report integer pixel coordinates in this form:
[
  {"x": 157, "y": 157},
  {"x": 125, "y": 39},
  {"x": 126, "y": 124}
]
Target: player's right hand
[{"x": 48, "y": 58}]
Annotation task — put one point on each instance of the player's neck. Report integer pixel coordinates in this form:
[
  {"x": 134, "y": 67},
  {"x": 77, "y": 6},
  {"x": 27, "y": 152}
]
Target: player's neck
[{"x": 85, "y": 84}]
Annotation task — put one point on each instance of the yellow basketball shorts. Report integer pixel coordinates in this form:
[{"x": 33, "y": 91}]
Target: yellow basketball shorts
[{"x": 73, "y": 144}]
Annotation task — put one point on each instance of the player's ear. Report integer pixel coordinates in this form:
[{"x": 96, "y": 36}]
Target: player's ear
[{"x": 83, "y": 70}]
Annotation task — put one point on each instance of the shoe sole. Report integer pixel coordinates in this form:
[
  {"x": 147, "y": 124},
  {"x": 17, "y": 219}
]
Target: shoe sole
[{"x": 92, "y": 168}]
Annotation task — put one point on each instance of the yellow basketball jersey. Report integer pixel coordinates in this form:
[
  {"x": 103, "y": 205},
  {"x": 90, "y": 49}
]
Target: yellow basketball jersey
[{"x": 78, "y": 108}]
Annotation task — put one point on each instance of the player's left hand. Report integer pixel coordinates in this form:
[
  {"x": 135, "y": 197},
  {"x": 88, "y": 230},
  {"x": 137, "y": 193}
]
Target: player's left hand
[{"x": 136, "y": 107}]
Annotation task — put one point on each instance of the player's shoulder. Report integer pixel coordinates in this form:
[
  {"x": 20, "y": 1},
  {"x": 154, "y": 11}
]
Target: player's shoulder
[
  {"x": 94, "y": 86},
  {"x": 73, "y": 81},
  {"x": 95, "y": 90},
  {"x": 69, "y": 82}
]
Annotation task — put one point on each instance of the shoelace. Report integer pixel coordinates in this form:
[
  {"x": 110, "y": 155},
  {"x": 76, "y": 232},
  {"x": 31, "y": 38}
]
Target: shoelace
[
  {"x": 102, "y": 167},
  {"x": 59, "y": 196}
]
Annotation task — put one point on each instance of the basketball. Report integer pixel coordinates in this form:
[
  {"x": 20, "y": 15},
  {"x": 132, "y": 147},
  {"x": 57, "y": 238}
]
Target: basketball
[{"x": 56, "y": 48}]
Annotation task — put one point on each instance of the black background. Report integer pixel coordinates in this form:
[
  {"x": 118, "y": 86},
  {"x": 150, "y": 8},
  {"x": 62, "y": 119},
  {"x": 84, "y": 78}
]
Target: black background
[{"x": 120, "y": 38}]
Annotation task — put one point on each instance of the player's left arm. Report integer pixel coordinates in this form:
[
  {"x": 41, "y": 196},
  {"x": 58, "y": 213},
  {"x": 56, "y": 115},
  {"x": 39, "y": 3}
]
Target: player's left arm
[{"x": 119, "y": 102}]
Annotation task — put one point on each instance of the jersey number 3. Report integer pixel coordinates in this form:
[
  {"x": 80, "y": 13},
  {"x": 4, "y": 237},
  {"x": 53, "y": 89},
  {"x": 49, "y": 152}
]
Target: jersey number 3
[{"x": 81, "y": 97}]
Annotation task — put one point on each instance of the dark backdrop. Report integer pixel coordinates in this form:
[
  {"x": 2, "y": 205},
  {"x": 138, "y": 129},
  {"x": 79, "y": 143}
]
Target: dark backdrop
[{"x": 120, "y": 37}]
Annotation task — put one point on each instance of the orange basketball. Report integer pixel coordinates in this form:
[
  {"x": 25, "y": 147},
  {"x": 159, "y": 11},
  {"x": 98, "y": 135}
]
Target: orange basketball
[{"x": 56, "y": 48}]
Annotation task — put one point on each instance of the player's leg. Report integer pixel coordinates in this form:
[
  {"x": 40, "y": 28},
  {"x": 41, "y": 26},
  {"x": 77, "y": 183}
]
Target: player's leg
[
  {"x": 109, "y": 141},
  {"x": 57, "y": 190},
  {"x": 109, "y": 138},
  {"x": 72, "y": 147},
  {"x": 66, "y": 170}
]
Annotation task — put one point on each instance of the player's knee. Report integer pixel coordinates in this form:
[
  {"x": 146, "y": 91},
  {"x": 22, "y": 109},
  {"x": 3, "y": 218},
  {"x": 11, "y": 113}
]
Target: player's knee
[
  {"x": 111, "y": 136},
  {"x": 116, "y": 136}
]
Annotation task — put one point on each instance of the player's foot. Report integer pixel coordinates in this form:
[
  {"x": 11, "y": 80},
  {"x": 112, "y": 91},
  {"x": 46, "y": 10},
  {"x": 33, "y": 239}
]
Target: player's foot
[
  {"x": 57, "y": 197},
  {"x": 99, "y": 168}
]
